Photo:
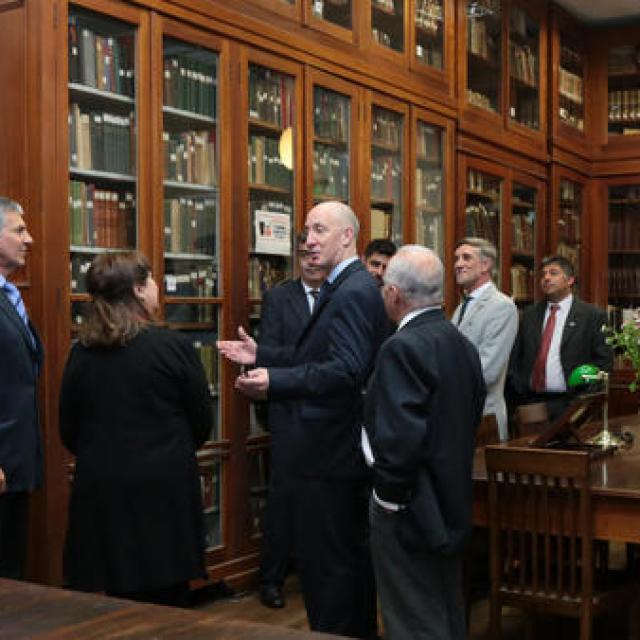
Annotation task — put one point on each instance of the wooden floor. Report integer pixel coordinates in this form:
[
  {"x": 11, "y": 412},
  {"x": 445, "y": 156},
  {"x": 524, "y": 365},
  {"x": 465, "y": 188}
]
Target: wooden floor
[{"x": 516, "y": 626}]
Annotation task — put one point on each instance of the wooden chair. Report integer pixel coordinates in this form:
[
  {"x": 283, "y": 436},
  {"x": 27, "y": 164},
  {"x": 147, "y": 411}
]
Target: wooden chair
[
  {"x": 541, "y": 542},
  {"x": 487, "y": 431},
  {"x": 531, "y": 418}
]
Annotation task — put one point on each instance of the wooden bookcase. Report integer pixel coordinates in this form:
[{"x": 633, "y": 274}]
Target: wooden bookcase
[{"x": 386, "y": 126}]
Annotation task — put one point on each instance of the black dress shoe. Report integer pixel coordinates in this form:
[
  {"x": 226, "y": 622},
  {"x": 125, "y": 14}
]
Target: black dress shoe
[{"x": 271, "y": 596}]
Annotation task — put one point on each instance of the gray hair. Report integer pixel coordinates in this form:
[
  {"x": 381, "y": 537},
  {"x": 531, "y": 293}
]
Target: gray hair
[
  {"x": 8, "y": 206},
  {"x": 418, "y": 273}
]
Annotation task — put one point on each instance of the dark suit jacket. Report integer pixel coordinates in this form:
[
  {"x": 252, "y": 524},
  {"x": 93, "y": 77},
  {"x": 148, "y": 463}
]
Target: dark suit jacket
[
  {"x": 582, "y": 342},
  {"x": 324, "y": 374},
  {"x": 423, "y": 404},
  {"x": 285, "y": 313},
  {"x": 20, "y": 442}
]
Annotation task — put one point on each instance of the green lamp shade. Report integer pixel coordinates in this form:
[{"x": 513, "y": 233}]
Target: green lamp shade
[{"x": 577, "y": 379}]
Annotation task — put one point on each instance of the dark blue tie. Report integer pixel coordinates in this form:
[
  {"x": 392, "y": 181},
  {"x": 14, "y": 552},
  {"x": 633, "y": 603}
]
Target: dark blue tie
[
  {"x": 324, "y": 290},
  {"x": 463, "y": 308},
  {"x": 13, "y": 293}
]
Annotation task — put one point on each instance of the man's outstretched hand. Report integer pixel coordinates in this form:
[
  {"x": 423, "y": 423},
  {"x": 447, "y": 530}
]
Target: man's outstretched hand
[{"x": 242, "y": 351}]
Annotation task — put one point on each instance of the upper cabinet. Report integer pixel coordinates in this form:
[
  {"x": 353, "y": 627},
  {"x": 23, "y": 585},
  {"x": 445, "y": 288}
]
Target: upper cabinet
[
  {"x": 387, "y": 25},
  {"x": 502, "y": 72}
]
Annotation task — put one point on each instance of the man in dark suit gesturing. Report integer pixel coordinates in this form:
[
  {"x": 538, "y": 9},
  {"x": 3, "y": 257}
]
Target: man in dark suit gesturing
[
  {"x": 555, "y": 336},
  {"x": 424, "y": 402},
  {"x": 286, "y": 309},
  {"x": 322, "y": 378},
  {"x": 20, "y": 444}
]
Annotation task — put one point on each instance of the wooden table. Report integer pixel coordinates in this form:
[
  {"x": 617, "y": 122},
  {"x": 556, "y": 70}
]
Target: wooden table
[
  {"x": 615, "y": 486},
  {"x": 36, "y": 612}
]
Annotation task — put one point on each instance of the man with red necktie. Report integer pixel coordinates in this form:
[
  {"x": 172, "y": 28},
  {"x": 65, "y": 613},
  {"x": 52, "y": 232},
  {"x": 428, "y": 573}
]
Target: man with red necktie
[{"x": 555, "y": 336}]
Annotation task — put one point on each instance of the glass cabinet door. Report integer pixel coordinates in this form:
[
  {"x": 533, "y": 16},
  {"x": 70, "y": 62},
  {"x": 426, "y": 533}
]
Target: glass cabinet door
[
  {"x": 272, "y": 131},
  {"x": 387, "y": 174},
  {"x": 569, "y": 223},
  {"x": 483, "y": 211},
  {"x": 191, "y": 202},
  {"x": 624, "y": 250},
  {"x": 331, "y": 145},
  {"x": 571, "y": 83},
  {"x": 103, "y": 182},
  {"x": 484, "y": 54},
  {"x": 524, "y": 214},
  {"x": 337, "y": 12},
  {"x": 624, "y": 90},
  {"x": 387, "y": 23},
  {"x": 524, "y": 68},
  {"x": 430, "y": 187},
  {"x": 429, "y": 21}
]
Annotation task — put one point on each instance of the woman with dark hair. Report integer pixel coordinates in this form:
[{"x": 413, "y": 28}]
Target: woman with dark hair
[{"x": 134, "y": 407}]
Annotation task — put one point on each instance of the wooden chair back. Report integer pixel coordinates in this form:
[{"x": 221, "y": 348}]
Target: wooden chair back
[
  {"x": 540, "y": 531},
  {"x": 531, "y": 418},
  {"x": 487, "y": 431}
]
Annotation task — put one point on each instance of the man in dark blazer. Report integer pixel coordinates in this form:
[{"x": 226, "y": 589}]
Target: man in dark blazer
[
  {"x": 322, "y": 377},
  {"x": 423, "y": 404},
  {"x": 539, "y": 369},
  {"x": 286, "y": 309},
  {"x": 20, "y": 443}
]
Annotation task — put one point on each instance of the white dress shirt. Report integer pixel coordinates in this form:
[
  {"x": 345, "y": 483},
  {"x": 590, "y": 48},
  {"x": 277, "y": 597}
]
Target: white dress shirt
[{"x": 555, "y": 380}]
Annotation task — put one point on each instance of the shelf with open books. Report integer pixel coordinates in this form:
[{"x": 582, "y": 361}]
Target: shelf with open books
[
  {"x": 102, "y": 187},
  {"x": 387, "y": 173}
]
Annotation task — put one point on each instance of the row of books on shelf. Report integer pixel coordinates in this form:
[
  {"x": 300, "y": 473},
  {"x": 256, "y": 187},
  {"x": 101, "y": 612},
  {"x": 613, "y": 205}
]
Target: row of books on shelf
[
  {"x": 570, "y": 85},
  {"x": 381, "y": 223},
  {"x": 190, "y": 225},
  {"x": 524, "y": 64},
  {"x": 483, "y": 222},
  {"x": 101, "y": 217},
  {"x": 386, "y": 38},
  {"x": 271, "y": 97},
  {"x": 429, "y": 15},
  {"x": 101, "y": 141},
  {"x": 386, "y": 129},
  {"x": 480, "y": 99},
  {"x": 480, "y": 182},
  {"x": 522, "y": 282},
  {"x": 190, "y": 157},
  {"x": 104, "y": 62},
  {"x": 569, "y": 226},
  {"x": 624, "y": 280},
  {"x": 429, "y": 54},
  {"x": 430, "y": 230},
  {"x": 429, "y": 143},
  {"x": 572, "y": 115},
  {"x": 523, "y": 233},
  {"x": 624, "y": 105},
  {"x": 571, "y": 252},
  {"x": 209, "y": 358},
  {"x": 210, "y": 487},
  {"x": 429, "y": 189},
  {"x": 331, "y": 113},
  {"x": 191, "y": 280},
  {"x": 265, "y": 165},
  {"x": 184, "y": 313},
  {"x": 624, "y": 230},
  {"x": 190, "y": 84},
  {"x": 386, "y": 179},
  {"x": 331, "y": 172},
  {"x": 481, "y": 40},
  {"x": 266, "y": 272}
]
